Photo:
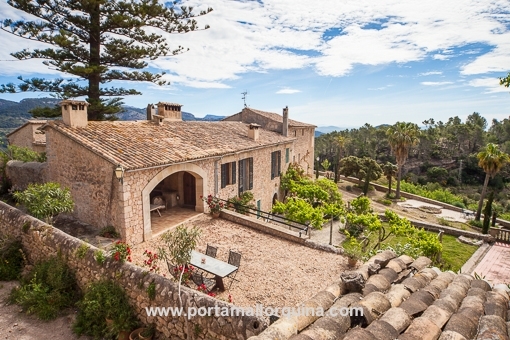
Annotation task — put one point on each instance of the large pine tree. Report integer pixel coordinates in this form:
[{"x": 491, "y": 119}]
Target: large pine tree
[{"x": 97, "y": 41}]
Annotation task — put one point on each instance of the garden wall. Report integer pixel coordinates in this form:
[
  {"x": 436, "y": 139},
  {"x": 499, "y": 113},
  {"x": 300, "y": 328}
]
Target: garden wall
[
  {"x": 41, "y": 240},
  {"x": 278, "y": 231}
]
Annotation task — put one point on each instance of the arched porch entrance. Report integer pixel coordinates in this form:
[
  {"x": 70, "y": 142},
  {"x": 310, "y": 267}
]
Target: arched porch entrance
[{"x": 172, "y": 197}]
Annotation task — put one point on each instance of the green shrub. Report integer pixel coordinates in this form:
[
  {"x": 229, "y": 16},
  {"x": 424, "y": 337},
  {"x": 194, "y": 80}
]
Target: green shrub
[
  {"x": 44, "y": 201},
  {"x": 100, "y": 256},
  {"x": 11, "y": 258},
  {"x": 109, "y": 232},
  {"x": 47, "y": 289},
  {"x": 242, "y": 203},
  {"x": 25, "y": 154},
  {"x": 384, "y": 201},
  {"x": 475, "y": 223},
  {"x": 104, "y": 300},
  {"x": 459, "y": 205},
  {"x": 433, "y": 191},
  {"x": 81, "y": 251},
  {"x": 444, "y": 221}
]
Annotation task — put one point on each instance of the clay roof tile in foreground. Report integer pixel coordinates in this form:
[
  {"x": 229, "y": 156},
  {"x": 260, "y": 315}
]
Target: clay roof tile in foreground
[
  {"x": 142, "y": 144},
  {"x": 423, "y": 304}
]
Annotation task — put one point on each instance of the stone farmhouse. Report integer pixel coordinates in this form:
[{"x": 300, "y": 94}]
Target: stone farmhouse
[
  {"x": 29, "y": 136},
  {"x": 166, "y": 158}
]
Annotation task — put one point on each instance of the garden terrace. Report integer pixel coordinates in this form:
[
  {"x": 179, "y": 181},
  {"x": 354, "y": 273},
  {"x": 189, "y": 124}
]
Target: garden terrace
[{"x": 273, "y": 272}]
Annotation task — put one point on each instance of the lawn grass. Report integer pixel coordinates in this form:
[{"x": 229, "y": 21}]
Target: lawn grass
[{"x": 454, "y": 254}]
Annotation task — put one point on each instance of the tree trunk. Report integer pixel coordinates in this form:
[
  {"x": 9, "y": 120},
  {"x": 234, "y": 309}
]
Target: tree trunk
[
  {"x": 389, "y": 186},
  {"x": 399, "y": 176},
  {"x": 367, "y": 181},
  {"x": 95, "y": 63},
  {"x": 487, "y": 214},
  {"x": 482, "y": 196}
]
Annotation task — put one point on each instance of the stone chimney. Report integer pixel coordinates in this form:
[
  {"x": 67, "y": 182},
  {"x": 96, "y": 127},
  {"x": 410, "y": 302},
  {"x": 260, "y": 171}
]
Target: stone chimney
[
  {"x": 74, "y": 112},
  {"x": 170, "y": 111},
  {"x": 253, "y": 131},
  {"x": 285, "y": 126},
  {"x": 151, "y": 111}
]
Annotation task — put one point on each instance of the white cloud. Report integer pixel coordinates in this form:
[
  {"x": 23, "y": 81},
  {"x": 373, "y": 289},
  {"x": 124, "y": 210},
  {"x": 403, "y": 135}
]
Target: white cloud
[
  {"x": 264, "y": 36},
  {"x": 287, "y": 91},
  {"x": 431, "y": 73},
  {"x": 436, "y": 83},
  {"x": 491, "y": 85}
]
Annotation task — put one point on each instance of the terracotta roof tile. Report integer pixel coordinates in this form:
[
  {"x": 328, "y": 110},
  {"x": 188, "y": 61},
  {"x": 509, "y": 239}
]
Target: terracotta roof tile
[
  {"x": 142, "y": 144},
  {"x": 427, "y": 305},
  {"x": 279, "y": 118}
]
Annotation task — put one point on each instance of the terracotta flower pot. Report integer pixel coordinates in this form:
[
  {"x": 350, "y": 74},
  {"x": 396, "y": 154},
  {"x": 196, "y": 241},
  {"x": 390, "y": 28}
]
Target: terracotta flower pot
[
  {"x": 352, "y": 262},
  {"x": 136, "y": 335},
  {"x": 215, "y": 214}
]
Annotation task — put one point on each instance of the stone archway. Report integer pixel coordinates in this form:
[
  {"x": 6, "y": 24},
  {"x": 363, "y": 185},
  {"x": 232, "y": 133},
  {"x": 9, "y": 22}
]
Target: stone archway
[{"x": 200, "y": 184}]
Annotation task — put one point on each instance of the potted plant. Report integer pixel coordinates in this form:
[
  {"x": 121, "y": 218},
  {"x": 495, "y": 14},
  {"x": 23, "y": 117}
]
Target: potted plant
[
  {"x": 353, "y": 252},
  {"x": 215, "y": 205}
]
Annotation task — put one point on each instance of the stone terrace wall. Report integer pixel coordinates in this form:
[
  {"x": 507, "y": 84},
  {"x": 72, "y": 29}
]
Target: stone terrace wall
[
  {"x": 41, "y": 240},
  {"x": 22, "y": 174}
]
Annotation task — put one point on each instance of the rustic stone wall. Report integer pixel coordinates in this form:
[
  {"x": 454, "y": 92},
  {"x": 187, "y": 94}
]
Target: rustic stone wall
[
  {"x": 28, "y": 136},
  {"x": 90, "y": 178},
  {"x": 22, "y": 174},
  {"x": 303, "y": 148},
  {"x": 40, "y": 241}
]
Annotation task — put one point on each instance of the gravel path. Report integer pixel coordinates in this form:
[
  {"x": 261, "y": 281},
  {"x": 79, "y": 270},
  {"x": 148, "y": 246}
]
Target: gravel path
[{"x": 15, "y": 325}]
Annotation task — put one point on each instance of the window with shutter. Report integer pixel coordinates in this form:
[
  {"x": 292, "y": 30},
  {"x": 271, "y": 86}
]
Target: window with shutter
[
  {"x": 250, "y": 184},
  {"x": 276, "y": 159},
  {"x": 287, "y": 155}
]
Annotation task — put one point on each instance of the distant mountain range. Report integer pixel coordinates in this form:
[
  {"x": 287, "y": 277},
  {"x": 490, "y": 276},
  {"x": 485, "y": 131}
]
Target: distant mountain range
[
  {"x": 328, "y": 129},
  {"x": 14, "y": 114}
]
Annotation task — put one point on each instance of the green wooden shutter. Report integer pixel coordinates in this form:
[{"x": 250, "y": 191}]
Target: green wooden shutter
[
  {"x": 223, "y": 176},
  {"x": 287, "y": 155},
  {"x": 241, "y": 173},
  {"x": 250, "y": 174},
  {"x": 272, "y": 165},
  {"x": 279, "y": 155},
  {"x": 233, "y": 172}
]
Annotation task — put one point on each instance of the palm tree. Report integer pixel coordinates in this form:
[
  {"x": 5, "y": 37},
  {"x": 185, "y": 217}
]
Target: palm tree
[
  {"x": 491, "y": 159},
  {"x": 389, "y": 171},
  {"x": 402, "y": 136}
]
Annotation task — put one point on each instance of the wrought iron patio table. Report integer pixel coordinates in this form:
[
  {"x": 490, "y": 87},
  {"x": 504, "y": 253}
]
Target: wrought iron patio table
[{"x": 214, "y": 266}]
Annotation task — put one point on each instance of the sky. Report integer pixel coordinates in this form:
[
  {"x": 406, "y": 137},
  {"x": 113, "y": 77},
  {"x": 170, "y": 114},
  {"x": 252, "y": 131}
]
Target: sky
[{"x": 332, "y": 62}]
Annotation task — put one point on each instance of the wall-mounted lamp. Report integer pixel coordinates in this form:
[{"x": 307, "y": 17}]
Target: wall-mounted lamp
[
  {"x": 119, "y": 173},
  {"x": 177, "y": 197}
]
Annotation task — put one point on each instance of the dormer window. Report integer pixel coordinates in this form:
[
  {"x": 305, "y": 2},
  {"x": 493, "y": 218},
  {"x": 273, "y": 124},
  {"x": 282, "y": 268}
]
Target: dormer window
[{"x": 74, "y": 107}]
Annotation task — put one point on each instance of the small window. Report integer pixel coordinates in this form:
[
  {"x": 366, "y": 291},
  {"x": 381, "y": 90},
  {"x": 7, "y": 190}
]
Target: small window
[
  {"x": 303, "y": 132},
  {"x": 275, "y": 164},
  {"x": 294, "y": 159},
  {"x": 228, "y": 174},
  {"x": 74, "y": 107},
  {"x": 299, "y": 158},
  {"x": 287, "y": 155},
  {"x": 295, "y": 133}
]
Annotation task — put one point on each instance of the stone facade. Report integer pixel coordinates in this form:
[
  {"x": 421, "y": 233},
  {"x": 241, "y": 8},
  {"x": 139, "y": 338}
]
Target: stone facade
[
  {"x": 89, "y": 177},
  {"x": 40, "y": 241},
  {"x": 29, "y": 136},
  {"x": 156, "y": 159}
]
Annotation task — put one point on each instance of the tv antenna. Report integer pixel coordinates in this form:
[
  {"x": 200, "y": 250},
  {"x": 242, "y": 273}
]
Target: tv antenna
[{"x": 244, "y": 97}]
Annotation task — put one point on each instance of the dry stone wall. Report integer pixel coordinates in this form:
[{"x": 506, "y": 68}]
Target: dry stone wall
[
  {"x": 40, "y": 241},
  {"x": 22, "y": 174}
]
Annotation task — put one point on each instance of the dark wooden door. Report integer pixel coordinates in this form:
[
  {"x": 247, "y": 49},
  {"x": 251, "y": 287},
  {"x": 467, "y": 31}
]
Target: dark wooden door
[{"x": 189, "y": 190}]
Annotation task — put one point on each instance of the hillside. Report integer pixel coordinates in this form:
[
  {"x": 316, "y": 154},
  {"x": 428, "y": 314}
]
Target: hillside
[{"x": 14, "y": 114}]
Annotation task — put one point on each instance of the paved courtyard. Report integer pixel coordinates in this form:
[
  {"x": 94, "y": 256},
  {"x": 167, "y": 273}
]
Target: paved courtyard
[{"x": 495, "y": 265}]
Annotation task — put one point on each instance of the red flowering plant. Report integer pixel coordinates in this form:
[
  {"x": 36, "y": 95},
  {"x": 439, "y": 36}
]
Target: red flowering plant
[
  {"x": 186, "y": 275},
  {"x": 121, "y": 251},
  {"x": 152, "y": 261},
  {"x": 214, "y": 203}
]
